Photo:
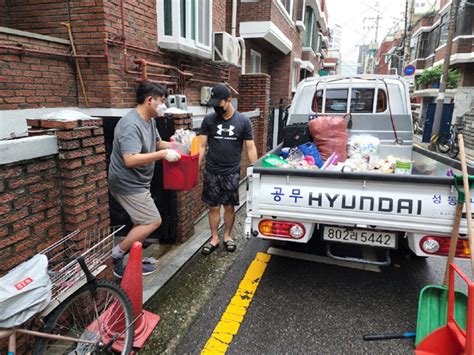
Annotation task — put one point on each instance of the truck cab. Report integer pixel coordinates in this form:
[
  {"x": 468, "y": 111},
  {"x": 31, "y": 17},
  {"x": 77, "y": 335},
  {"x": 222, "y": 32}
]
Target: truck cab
[{"x": 379, "y": 105}]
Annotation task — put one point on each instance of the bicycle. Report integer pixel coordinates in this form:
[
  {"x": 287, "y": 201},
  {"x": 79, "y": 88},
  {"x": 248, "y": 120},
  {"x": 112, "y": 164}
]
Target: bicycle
[
  {"x": 82, "y": 315},
  {"x": 448, "y": 142}
]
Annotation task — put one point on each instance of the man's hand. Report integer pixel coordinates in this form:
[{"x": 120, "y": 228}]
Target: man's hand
[{"x": 172, "y": 155}]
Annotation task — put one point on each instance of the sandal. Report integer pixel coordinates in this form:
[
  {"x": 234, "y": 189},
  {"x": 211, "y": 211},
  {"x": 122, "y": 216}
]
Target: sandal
[
  {"x": 208, "y": 248},
  {"x": 230, "y": 245}
]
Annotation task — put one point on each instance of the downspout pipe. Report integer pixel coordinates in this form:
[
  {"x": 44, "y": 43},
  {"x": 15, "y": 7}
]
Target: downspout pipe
[
  {"x": 240, "y": 39},
  {"x": 234, "y": 17},
  {"x": 242, "y": 54}
]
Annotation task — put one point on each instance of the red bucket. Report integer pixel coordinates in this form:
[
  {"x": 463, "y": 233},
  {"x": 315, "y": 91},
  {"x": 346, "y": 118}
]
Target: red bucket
[{"x": 182, "y": 174}]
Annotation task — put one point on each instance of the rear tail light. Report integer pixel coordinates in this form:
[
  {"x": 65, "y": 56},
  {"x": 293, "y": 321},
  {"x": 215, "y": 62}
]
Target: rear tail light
[
  {"x": 440, "y": 246},
  {"x": 281, "y": 229}
]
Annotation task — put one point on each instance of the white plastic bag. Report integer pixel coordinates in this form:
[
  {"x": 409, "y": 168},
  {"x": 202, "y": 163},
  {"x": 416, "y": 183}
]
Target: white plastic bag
[{"x": 24, "y": 291}]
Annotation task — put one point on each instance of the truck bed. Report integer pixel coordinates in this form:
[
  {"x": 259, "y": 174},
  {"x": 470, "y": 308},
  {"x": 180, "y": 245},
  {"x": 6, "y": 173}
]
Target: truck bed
[{"x": 423, "y": 202}]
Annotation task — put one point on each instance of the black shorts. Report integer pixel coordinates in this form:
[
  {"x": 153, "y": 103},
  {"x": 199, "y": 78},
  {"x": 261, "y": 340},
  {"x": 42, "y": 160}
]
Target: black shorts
[{"x": 220, "y": 189}]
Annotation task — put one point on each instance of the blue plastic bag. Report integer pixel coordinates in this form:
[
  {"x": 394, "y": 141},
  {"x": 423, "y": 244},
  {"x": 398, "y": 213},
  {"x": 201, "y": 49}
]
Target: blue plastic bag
[{"x": 310, "y": 149}]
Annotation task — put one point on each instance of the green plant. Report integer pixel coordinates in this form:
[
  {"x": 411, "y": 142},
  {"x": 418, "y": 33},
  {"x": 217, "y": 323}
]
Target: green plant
[{"x": 433, "y": 75}]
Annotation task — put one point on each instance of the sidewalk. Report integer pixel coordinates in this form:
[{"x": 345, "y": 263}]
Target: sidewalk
[
  {"x": 422, "y": 148},
  {"x": 176, "y": 256}
]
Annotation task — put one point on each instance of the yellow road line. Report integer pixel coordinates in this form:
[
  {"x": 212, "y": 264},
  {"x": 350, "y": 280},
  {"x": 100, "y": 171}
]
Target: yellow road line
[{"x": 233, "y": 316}]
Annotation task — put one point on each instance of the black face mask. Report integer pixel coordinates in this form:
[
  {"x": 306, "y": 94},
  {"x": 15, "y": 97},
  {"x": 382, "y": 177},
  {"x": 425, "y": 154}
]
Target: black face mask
[{"x": 219, "y": 110}]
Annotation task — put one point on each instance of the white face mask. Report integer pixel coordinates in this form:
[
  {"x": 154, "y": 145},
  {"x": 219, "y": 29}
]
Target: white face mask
[{"x": 161, "y": 109}]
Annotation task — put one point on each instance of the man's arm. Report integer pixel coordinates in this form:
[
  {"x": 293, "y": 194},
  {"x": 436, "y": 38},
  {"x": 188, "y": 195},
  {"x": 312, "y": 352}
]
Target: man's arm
[
  {"x": 202, "y": 147},
  {"x": 140, "y": 159},
  {"x": 163, "y": 145},
  {"x": 251, "y": 150}
]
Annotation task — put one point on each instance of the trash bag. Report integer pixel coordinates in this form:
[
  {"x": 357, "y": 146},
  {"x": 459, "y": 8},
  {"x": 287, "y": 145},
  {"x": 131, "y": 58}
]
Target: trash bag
[
  {"x": 273, "y": 161},
  {"x": 330, "y": 136},
  {"x": 296, "y": 134},
  {"x": 24, "y": 291},
  {"x": 310, "y": 149}
]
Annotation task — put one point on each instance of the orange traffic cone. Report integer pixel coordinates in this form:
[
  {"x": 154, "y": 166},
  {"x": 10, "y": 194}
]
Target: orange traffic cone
[{"x": 132, "y": 285}]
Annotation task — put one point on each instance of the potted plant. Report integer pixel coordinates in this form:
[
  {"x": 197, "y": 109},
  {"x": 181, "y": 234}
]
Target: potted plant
[{"x": 431, "y": 77}]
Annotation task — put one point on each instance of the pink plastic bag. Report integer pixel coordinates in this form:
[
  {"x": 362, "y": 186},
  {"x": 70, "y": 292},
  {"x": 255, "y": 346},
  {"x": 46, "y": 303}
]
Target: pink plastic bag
[{"x": 330, "y": 136}]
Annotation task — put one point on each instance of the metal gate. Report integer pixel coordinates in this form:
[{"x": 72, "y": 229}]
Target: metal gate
[
  {"x": 277, "y": 121},
  {"x": 165, "y": 200}
]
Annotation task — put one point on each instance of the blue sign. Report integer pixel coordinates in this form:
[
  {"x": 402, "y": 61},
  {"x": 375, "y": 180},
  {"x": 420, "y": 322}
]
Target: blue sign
[{"x": 409, "y": 70}]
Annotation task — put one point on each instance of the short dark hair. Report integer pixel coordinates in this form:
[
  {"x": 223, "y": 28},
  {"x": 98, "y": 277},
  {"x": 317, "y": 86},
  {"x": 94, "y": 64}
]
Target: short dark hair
[{"x": 148, "y": 88}]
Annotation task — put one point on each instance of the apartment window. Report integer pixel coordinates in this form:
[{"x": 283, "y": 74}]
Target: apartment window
[
  {"x": 288, "y": 5},
  {"x": 300, "y": 10},
  {"x": 185, "y": 24},
  {"x": 443, "y": 35},
  {"x": 413, "y": 47},
  {"x": 309, "y": 23},
  {"x": 255, "y": 62}
]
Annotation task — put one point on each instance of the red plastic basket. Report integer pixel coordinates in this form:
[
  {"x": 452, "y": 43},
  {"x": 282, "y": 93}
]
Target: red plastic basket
[{"x": 181, "y": 175}]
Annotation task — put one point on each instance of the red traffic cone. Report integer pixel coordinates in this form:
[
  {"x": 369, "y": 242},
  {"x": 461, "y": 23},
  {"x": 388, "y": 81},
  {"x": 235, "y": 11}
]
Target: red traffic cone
[
  {"x": 111, "y": 321},
  {"x": 132, "y": 285}
]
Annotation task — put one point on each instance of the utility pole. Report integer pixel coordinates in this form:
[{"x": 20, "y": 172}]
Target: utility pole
[
  {"x": 409, "y": 9},
  {"x": 444, "y": 77},
  {"x": 373, "y": 46}
]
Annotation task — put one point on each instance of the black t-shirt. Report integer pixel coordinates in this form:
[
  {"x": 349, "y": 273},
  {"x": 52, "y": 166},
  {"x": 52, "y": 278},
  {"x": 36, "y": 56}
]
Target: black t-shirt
[{"x": 225, "y": 139}]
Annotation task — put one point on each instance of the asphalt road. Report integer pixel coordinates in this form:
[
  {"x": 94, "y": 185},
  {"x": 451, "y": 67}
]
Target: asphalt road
[{"x": 299, "y": 306}]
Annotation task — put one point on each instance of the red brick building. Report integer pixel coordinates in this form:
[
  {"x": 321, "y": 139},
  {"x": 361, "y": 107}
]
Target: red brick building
[
  {"x": 427, "y": 50},
  {"x": 260, "y": 48}
]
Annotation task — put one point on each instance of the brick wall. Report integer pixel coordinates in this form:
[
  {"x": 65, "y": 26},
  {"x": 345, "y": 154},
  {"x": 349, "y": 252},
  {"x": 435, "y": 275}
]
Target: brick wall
[
  {"x": 254, "y": 11},
  {"x": 262, "y": 48},
  {"x": 280, "y": 65},
  {"x": 83, "y": 176},
  {"x": 30, "y": 209},
  {"x": 28, "y": 81},
  {"x": 43, "y": 199},
  {"x": 38, "y": 16},
  {"x": 467, "y": 74},
  {"x": 255, "y": 93},
  {"x": 280, "y": 74},
  {"x": 4, "y": 21},
  {"x": 106, "y": 81}
]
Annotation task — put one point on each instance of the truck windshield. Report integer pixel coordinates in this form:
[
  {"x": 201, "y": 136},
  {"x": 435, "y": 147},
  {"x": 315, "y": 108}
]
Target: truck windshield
[{"x": 362, "y": 101}]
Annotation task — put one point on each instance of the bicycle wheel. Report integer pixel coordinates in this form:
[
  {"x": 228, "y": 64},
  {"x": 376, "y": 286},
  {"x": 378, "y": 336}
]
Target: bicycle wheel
[
  {"x": 102, "y": 319},
  {"x": 443, "y": 143},
  {"x": 454, "y": 150}
]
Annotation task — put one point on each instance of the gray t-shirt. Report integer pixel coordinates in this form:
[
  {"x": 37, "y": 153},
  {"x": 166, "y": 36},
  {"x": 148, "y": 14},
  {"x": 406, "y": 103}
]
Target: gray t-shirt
[
  {"x": 132, "y": 135},
  {"x": 225, "y": 140}
]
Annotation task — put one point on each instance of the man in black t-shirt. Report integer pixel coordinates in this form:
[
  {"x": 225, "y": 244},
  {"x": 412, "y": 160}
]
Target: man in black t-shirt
[{"x": 224, "y": 131}]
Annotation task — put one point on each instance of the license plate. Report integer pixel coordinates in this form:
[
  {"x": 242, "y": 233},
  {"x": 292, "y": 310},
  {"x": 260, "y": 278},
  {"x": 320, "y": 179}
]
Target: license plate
[{"x": 360, "y": 236}]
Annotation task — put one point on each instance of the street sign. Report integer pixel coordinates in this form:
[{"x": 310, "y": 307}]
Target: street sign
[{"x": 409, "y": 70}]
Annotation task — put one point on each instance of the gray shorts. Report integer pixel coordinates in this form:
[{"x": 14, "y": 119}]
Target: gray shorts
[{"x": 140, "y": 207}]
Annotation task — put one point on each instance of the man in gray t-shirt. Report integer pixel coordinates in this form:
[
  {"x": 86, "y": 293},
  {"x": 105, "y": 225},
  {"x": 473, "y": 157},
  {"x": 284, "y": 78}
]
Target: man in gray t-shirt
[{"x": 136, "y": 147}]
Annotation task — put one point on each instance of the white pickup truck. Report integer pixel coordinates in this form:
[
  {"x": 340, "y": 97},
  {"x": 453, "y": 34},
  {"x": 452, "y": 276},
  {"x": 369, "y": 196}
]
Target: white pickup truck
[{"x": 350, "y": 213}]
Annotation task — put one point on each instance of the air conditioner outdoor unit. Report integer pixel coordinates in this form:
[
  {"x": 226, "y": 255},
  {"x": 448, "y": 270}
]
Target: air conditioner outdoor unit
[
  {"x": 226, "y": 49},
  {"x": 205, "y": 94}
]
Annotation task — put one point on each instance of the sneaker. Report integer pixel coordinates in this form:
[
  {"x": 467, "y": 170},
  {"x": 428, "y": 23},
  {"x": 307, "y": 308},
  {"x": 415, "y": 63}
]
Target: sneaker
[
  {"x": 118, "y": 267},
  {"x": 148, "y": 269},
  {"x": 149, "y": 260}
]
